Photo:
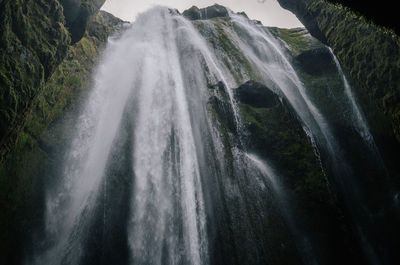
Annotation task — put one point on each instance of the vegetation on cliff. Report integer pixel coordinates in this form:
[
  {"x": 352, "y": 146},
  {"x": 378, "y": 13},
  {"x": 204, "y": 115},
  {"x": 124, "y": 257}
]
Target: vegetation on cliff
[
  {"x": 370, "y": 54},
  {"x": 34, "y": 39}
]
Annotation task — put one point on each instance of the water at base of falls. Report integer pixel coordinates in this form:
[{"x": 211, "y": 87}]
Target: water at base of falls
[{"x": 150, "y": 163}]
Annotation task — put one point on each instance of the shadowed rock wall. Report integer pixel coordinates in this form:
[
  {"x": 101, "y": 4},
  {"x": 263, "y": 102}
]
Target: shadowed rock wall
[
  {"x": 34, "y": 39},
  {"x": 370, "y": 54}
]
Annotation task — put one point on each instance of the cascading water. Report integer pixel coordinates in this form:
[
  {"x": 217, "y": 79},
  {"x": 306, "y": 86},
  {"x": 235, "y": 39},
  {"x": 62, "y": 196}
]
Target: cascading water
[
  {"x": 359, "y": 118},
  {"x": 307, "y": 254},
  {"x": 196, "y": 195},
  {"x": 263, "y": 50},
  {"x": 167, "y": 207},
  {"x": 168, "y": 222},
  {"x": 70, "y": 206}
]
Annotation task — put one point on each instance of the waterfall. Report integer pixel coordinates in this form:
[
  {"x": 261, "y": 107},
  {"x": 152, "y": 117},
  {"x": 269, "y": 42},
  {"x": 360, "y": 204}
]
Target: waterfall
[
  {"x": 195, "y": 194},
  {"x": 155, "y": 66},
  {"x": 167, "y": 195},
  {"x": 358, "y": 116},
  {"x": 263, "y": 50},
  {"x": 143, "y": 63},
  {"x": 70, "y": 205},
  {"x": 308, "y": 255}
]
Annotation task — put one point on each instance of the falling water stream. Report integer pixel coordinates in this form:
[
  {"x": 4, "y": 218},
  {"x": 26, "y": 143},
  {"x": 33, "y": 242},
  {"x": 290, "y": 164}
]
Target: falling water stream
[
  {"x": 359, "y": 118},
  {"x": 167, "y": 224},
  {"x": 264, "y": 51},
  {"x": 159, "y": 69}
]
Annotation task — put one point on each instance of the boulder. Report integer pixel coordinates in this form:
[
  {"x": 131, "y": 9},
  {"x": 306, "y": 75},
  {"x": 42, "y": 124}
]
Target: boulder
[
  {"x": 256, "y": 94},
  {"x": 35, "y": 36},
  {"x": 78, "y": 13},
  {"x": 316, "y": 61},
  {"x": 215, "y": 11}
]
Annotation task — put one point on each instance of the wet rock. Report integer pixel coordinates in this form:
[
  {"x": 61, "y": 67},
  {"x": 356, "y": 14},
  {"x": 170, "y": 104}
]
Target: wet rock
[
  {"x": 276, "y": 135},
  {"x": 35, "y": 36},
  {"x": 243, "y": 14},
  {"x": 369, "y": 54},
  {"x": 221, "y": 105},
  {"x": 78, "y": 13},
  {"x": 194, "y": 13},
  {"x": 316, "y": 61},
  {"x": 256, "y": 94}
]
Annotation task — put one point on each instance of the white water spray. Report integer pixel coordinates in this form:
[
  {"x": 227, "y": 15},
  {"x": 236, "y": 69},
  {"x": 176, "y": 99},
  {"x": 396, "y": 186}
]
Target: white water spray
[
  {"x": 359, "y": 119},
  {"x": 302, "y": 241},
  {"x": 162, "y": 66}
]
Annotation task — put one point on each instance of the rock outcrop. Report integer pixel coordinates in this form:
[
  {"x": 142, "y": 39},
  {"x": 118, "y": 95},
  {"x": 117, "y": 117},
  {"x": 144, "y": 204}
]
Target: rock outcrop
[
  {"x": 256, "y": 95},
  {"x": 194, "y": 13},
  {"x": 326, "y": 91},
  {"x": 370, "y": 54},
  {"x": 78, "y": 13},
  {"x": 34, "y": 39}
]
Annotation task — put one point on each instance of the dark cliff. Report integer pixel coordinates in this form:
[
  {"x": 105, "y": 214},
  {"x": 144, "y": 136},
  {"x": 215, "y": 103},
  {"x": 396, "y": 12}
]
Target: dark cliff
[
  {"x": 383, "y": 15},
  {"x": 34, "y": 39},
  {"x": 369, "y": 53}
]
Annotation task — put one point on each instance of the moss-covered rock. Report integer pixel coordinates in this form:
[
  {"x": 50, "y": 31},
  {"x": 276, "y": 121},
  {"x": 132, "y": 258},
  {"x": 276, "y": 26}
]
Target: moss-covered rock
[
  {"x": 370, "y": 54},
  {"x": 276, "y": 135},
  {"x": 214, "y": 11},
  {"x": 40, "y": 140},
  {"x": 78, "y": 13},
  {"x": 316, "y": 61},
  {"x": 34, "y": 39},
  {"x": 255, "y": 94},
  {"x": 373, "y": 165},
  {"x": 218, "y": 35}
]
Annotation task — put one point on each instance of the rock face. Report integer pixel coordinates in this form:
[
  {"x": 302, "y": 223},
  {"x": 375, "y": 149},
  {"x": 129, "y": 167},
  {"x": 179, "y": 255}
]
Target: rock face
[
  {"x": 326, "y": 90},
  {"x": 316, "y": 61},
  {"x": 383, "y": 15},
  {"x": 38, "y": 142},
  {"x": 194, "y": 13},
  {"x": 370, "y": 54},
  {"x": 34, "y": 39},
  {"x": 370, "y": 58},
  {"x": 276, "y": 134},
  {"x": 256, "y": 94},
  {"x": 77, "y": 15}
]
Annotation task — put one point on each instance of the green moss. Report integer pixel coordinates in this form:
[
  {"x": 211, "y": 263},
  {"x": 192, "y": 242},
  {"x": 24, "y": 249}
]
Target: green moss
[
  {"x": 369, "y": 54},
  {"x": 33, "y": 41},
  {"x": 220, "y": 39},
  {"x": 297, "y": 39}
]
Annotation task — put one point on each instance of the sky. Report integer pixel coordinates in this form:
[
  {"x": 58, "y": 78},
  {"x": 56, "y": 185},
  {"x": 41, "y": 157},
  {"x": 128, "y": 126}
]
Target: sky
[{"x": 269, "y": 12}]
